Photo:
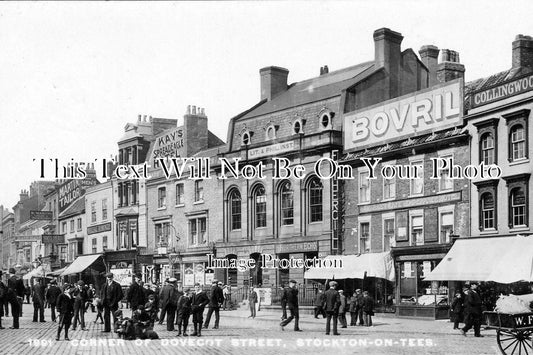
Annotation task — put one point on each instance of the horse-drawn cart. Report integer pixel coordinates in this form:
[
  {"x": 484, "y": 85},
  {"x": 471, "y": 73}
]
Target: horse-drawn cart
[{"x": 513, "y": 331}]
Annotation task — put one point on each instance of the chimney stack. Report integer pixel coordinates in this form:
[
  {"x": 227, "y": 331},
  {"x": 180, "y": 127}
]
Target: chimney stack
[
  {"x": 388, "y": 55},
  {"x": 449, "y": 68},
  {"x": 273, "y": 81},
  {"x": 523, "y": 52},
  {"x": 430, "y": 57}
]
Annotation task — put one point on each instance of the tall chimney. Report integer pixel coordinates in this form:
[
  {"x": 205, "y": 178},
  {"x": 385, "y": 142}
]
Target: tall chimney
[
  {"x": 388, "y": 55},
  {"x": 523, "y": 52},
  {"x": 430, "y": 57},
  {"x": 449, "y": 68},
  {"x": 273, "y": 81}
]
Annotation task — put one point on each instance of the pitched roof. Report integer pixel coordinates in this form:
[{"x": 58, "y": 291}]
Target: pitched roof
[
  {"x": 77, "y": 207},
  {"x": 311, "y": 90}
]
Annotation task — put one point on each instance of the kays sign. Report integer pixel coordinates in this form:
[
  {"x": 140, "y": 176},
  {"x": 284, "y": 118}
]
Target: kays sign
[{"x": 434, "y": 109}]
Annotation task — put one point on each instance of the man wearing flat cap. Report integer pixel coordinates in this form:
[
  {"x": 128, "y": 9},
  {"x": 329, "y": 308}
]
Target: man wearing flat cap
[
  {"x": 331, "y": 306},
  {"x": 51, "y": 296},
  {"x": 136, "y": 294},
  {"x": 169, "y": 302},
  {"x": 290, "y": 295},
  {"x": 111, "y": 294},
  {"x": 473, "y": 311},
  {"x": 15, "y": 293},
  {"x": 215, "y": 301}
]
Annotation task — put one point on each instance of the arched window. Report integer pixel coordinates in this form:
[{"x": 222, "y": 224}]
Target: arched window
[
  {"x": 487, "y": 149},
  {"x": 518, "y": 142},
  {"x": 518, "y": 207},
  {"x": 287, "y": 204},
  {"x": 260, "y": 207},
  {"x": 486, "y": 206},
  {"x": 235, "y": 209},
  {"x": 315, "y": 200}
]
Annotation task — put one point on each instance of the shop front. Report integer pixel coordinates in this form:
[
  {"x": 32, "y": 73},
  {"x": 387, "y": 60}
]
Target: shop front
[{"x": 415, "y": 296}]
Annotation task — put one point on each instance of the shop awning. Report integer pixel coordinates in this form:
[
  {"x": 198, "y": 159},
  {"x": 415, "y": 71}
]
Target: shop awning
[
  {"x": 80, "y": 264},
  {"x": 37, "y": 272},
  {"x": 499, "y": 259},
  {"x": 356, "y": 267},
  {"x": 56, "y": 272}
]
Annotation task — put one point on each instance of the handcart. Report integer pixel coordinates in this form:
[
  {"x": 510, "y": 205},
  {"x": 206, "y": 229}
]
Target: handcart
[{"x": 513, "y": 331}]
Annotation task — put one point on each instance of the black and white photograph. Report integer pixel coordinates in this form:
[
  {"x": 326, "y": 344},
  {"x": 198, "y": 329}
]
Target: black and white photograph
[{"x": 266, "y": 177}]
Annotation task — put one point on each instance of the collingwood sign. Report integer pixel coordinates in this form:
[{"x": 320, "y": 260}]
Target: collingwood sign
[
  {"x": 502, "y": 91},
  {"x": 434, "y": 109}
]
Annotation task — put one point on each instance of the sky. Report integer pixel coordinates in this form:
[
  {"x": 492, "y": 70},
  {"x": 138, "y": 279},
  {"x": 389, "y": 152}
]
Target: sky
[{"x": 73, "y": 74}]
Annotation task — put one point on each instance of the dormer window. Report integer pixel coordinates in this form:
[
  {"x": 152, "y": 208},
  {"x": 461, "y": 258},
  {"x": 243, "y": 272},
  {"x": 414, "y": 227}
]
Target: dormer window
[
  {"x": 326, "y": 119},
  {"x": 298, "y": 126},
  {"x": 246, "y": 138},
  {"x": 271, "y": 132}
]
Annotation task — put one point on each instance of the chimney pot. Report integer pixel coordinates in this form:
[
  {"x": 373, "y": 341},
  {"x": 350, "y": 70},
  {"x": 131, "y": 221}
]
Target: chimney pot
[
  {"x": 321, "y": 70},
  {"x": 273, "y": 81},
  {"x": 326, "y": 69},
  {"x": 139, "y": 118},
  {"x": 522, "y": 52},
  {"x": 194, "y": 110},
  {"x": 188, "y": 109}
]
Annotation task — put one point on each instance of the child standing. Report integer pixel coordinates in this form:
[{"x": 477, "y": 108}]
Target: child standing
[
  {"x": 457, "y": 308},
  {"x": 65, "y": 307}
]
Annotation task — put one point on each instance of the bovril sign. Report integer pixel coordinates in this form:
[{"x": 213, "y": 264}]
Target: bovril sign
[{"x": 430, "y": 110}]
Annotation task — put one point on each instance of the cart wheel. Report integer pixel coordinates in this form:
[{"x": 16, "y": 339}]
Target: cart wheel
[{"x": 514, "y": 342}]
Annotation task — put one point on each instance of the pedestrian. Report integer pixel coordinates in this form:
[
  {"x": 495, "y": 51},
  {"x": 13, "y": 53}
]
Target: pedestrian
[
  {"x": 342, "y": 309},
  {"x": 111, "y": 295},
  {"x": 216, "y": 300},
  {"x": 136, "y": 296},
  {"x": 368, "y": 308},
  {"x": 457, "y": 309},
  {"x": 65, "y": 308},
  {"x": 160, "y": 302},
  {"x": 226, "y": 291},
  {"x": 198, "y": 302},
  {"x": 291, "y": 296},
  {"x": 472, "y": 311},
  {"x": 80, "y": 298},
  {"x": 91, "y": 292},
  {"x": 38, "y": 301},
  {"x": 27, "y": 293},
  {"x": 351, "y": 308},
  {"x": 252, "y": 300},
  {"x": 332, "y": 303},
  {"x": 51, "y": 296},
  {"x": 169, "y": 302},
  {"x": 319, "y": 304},
  {"x": 283, "y": 303},
  {"x": 3, "y": 297},
  {"x": 100, "y": 309},
  {"x": 359, "y": 306},
  {"x": 184, "y": 312},
  {"x": 15, "y": 295},
  {"x": 151, "y": 308}
]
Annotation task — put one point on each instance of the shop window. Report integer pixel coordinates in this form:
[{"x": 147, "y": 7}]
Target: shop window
[
  {"x": 93, "y": 212},
  {"x": 417, "y": 230},
  {"x": 315, "y": 200},
  {"x": 417, "y": 183},
  {"x": 364, "y": 237},
  {"x": 79, "y": 225},
  {"x": 517, "y": 123},
  {"x": 94, "y": 246},
  {"x": 388, "y": 234},
  {"x": 104, "y": 209},
  {"x": 389, "y": 189},
  {"x": 287, "y": 204},
  {"x": 260, "y": 207},
  {"x": 446, "y": 226},
  {"x": 364, "y": 187},
  {"x": 518, "y": 207},
  {"x": 235, "y": 209},
  {"x": 488, "y": 149},
  {"x": 161, "y": 197},
  {"x": 180, "y": 194},
  {"x": 198, "y": 190},
  {"x": 445, "y": 183},
  {"x": 415, "y": 291}
]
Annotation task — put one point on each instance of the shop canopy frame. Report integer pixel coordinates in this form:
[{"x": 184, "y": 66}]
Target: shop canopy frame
[
  {"x": 82, "y": 263},
  {"x": 500, "y": 259},
  {"x": 378, "y": 265}
]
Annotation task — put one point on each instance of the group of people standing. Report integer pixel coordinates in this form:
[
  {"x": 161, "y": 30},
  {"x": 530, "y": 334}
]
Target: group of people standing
[{"x": 467, "y": 307}]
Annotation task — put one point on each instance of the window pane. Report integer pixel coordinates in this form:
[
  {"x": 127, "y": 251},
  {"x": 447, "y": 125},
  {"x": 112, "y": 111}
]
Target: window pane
[
  {"x": 235, "y": 206},
  {"x": 287, "y": 211},
  {"x": 315, "y": 200},
  {"x": 260, "y": 207}
]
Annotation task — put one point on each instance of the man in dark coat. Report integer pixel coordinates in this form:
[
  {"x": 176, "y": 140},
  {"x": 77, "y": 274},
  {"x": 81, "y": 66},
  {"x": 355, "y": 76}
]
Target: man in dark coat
[
  {"x": 15, "y": 294},
  {"x": 252, "y": 300},
  {"x": 3, "y": 295},
  {"x": 319, "y": 303},
  {"x": 359, "y": 307},
  {"x": 169, "y": 302},
  {"x": 283, "y": 303},
  {"x": 184, "y": 311},
  {"x": 198, "y": 302},
  {"x": 65, "y": 308},
  {"x": 38, "y": 301},
  {"x": 291, "y": 296},
  {"x": 51, "y": 297},
  {"x": 473, "y": 311},
  {"x": 136, "y": 296},
  {"x": 80, "y": 298},
  {"x": 216, "y": 300},
  {"x": 331, "y": 306},
  {"x": 111, "y": 294}
]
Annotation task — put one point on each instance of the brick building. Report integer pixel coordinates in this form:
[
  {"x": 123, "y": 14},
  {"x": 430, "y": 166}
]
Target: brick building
[{"x": 403, "y": 211}]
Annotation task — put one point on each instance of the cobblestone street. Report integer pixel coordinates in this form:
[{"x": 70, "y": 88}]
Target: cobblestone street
[{"x": 262, "y": 335}]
